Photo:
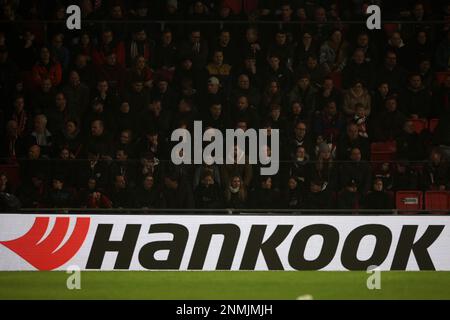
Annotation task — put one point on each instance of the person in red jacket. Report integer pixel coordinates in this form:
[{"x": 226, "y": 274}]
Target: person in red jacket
[
  {"x": 107, "y": 45},
  {"x": 46, "y": 67}
]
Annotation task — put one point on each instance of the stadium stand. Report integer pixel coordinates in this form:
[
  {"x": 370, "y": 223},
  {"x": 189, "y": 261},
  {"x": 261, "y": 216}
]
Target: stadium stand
[{"x": 86, "y": 117}]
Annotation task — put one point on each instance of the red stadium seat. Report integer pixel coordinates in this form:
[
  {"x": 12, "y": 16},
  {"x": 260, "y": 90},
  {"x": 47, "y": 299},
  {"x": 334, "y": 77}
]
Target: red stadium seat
[
  {"x": 419, "y": 125},
  {"x": 409, "y": 202},
  {"x": 12, "y": 173},
  {"x": 337, "y": 79},
  {"x": 441, "y": 76},
  {"x": 433, "y": 124},
  {"x": 437, "y": 200},
  {"x": 383, "y": 151}
]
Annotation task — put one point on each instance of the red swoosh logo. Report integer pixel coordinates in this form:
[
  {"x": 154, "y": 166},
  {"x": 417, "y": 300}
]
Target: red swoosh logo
[{"x": 40, "y": 253}]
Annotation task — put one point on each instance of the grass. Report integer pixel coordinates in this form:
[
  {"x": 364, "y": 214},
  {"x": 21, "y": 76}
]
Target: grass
[{"x": 224, "y": 285}]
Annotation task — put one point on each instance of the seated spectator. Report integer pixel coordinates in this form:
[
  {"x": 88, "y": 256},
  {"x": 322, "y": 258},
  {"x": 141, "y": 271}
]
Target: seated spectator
[
  {"x": 352, "y": 139},
  {"x": 379, "y": 98},
  {"x": 329, "y": 123},
  {"x": 356, "y": 95},
  {"x": 356, "y": 170},
  {"x": 244, "y": 171},
  {"x": 40, "y": 136},
  {"x": 113, "y": 72},
  {"x": 109, "y": 45},
  {"x": 77, "y": 95},
  {"x": 333, "y": 53},
  {"x": 391, "y": 73},
  {"x": 282, "y": 48},
  {"x": 272, "y": 95},
  {"x": 415, "y": 102},
  {"x": 328, "y": 92},
  {"x": 203, "y": 169},
  {"x": 293, "y": 196},
  {"x": 138, "y": 96},
  {"x": 148, "y": 195},
  {"x": 324, "y": 169},
  {"x": 389, "y": 123},
  {"x": 385, "y": 173},
  {"x": 46, "y": 67},
  {"x": 410, "y": 145},
  {"x": 276, "y": 71},
  {"x": 405, "y": 177},
  {"x": 357, "y": 68},
  {"x": 222, "y": 71},
  {"x": 245, "y": 111},
  {"x": 58, "y": 195},
  {"x": 139, "y": 46},
  {"x": 21, "y": 116},
  {"x": 123, "y": 166},
  {"x": 176, "y": 193},
  {"x": 246, "y": 88},
  {"x": 235, "y": 194},
  {"x": 120, "y": 193},
  {"x": 378, "y": 198},
  {"x": 436, "y": 173},
  {"x": 33, "y": 192},
  {"x": 305, "y": 94},
  {"x": 59, "y": 51},
  {"x": 349, "y": 197},
  {"x": 43, "y": 96},
  {"x": 264, "y": 196},
  {"x": 58, "y": 113},
  {"x": 318, "y": 197},
  {"x": 93, "y": 167},
  {"x": 360, "y": 119},
  {"x": 141, "y": 72},
  {"x": 207, "y": 193},
  {"x": 316, "y": 71}
]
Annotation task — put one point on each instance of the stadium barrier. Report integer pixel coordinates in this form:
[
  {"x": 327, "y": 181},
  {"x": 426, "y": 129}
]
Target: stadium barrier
[{"x": 223, "y": 242}]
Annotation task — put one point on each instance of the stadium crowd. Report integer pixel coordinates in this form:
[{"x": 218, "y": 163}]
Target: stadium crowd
[{"x": 86, "y": 115}]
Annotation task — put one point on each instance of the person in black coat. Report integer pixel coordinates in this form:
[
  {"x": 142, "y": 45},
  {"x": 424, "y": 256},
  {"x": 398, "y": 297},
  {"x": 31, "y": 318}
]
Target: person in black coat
[
  {"x": 378, "y": 198},
  {"x": 293, "y": 197},
  {"x": 208, "y": 194},
  {"x": 177, "y": 193},
  {"x": 264, "y": 196},
  {"x": 148, "y": 195},
  {"x": 318, "y": 197}
]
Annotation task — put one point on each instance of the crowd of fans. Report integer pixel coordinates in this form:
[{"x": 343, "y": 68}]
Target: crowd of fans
[{"x": 87, "y": 114}]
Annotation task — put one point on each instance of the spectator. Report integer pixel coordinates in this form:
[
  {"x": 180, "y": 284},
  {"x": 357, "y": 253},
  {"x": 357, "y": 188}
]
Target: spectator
[
  {"x": 148, "y": 196},
  {"x": 436, "y": 173},
  {"x": 293, "y": 197},
  {"x": 304, "y": 93},
  {"x": 350, "y": 197},
  {"x": 333, "y": 53},
  {"x": 46, "y": 68},
  {"x": 356, "y": 170},
  {"x": 264, "y": 196},
  {"x": 58, "y": 195},
  {"x": 358, "y": 68},
  {"x": 352, "y": 139},
  {"x": 177, "y": 194},
  {"x": 357, "y": 94},
  {"x": 415, "y": 102},
  {"x": 207, "y": 193},
  {"x": 236, "y": 194},
  {"x": 378, "y": 199},
  {"x": 319, "y": 196},
  {"x": 120, "y": 193},
  {"x": 389, "y": 123}
]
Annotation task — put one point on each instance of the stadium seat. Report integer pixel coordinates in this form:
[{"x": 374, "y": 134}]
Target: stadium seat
[
  {"x": 409, "y": 202},
  {"x": 433, "y": 124},
  {"x": 440, "y": 77},
  {"x": 437, "y": 200},
  {"x": 337, "y": 79},
  {"x": 383, "y": 151},
  {"x": 419, "y": 125},
  {"x": 12, "y": 173}
]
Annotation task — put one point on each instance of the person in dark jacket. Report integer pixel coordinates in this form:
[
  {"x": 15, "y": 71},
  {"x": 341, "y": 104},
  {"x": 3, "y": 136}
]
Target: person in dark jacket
[
  {"x": 236, "y": 194},
  {"x": 318, "y": 197},
  {"x": 177, "y": 193},
  {"x": 378, "y": 198},
  {"x": 349, "y": 197},
  {"x": 120, "y": 194},
  {"x": 436, "y": 173},
  {"x": 59, "y": 196},
  {"x": 356, "y": 170},
  {"x": 293, "y": 197},
  {"x": 264, "y": 196},
  {"x": 148, "y": 195},
  {"x": 207, "y": 194}
]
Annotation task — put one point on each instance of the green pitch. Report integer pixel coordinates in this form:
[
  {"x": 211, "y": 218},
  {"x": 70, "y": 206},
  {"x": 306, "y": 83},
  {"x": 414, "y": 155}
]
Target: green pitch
[{"x": 224, "y": 285}]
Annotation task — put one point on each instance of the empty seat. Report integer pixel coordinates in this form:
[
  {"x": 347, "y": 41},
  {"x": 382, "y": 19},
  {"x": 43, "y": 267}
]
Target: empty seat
[
  {"x": 383, "y": 151},
  {"x": 441, "y": 76},
  {"x": 409, "y": 202},
  {"x": 419, "y": 125},
  {"x": 433, "y": 124},
  {"x": 437, "y": 200},
  {"x": 12, "y": 173}
]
